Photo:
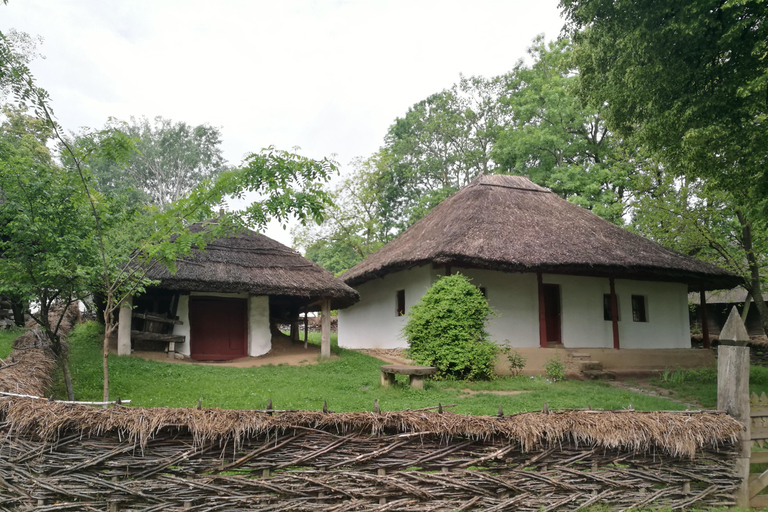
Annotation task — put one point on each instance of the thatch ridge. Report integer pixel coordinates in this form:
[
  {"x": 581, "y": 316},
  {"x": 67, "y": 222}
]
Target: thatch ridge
[
  {"x": 508, "y": 223},
  {"x": 250, "y": 262},
  {"x": 675, "y": 433}
]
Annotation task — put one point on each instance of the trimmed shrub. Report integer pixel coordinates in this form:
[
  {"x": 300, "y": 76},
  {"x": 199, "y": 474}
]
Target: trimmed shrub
[{"x": 446, "y": 329}]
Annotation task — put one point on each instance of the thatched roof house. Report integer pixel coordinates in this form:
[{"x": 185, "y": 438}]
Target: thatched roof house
[
  {"x": 531, "y": 250},
  {"x": 224, "y": 302},
  {"x": 252, "y": 263}
]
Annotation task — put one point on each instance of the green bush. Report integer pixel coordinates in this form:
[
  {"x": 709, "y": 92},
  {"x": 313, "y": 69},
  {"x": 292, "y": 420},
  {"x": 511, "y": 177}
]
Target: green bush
[
  {"x": 555, "y": 369},
  {"x": 515, "y": 359},
  {"x": 446, "y": 329}
]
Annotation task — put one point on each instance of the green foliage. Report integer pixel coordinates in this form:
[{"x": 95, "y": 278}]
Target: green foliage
[
  {"x": 352, "y": 229},
  {"x": 515, "y": 360},
  {"x": 349, "y": 382},
  {"x": 171, "y": 159},
  {"x": 559, "y": 142},
  {"x": 7, "y": 336},
  {"x": 555, "y": 369},
  {"x": 446, "y": 329},
  {"x": 440, "y": 145}
]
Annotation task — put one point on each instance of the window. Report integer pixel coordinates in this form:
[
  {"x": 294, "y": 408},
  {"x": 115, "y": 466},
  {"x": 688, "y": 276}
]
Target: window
[
  {"x": 607, "y": 308},
  {"x": 639, "y": 312},
  {"x": 400, "y": 303}
]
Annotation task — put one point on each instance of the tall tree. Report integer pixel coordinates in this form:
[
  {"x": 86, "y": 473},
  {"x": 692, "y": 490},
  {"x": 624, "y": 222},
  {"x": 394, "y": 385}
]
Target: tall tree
[
  {"x": 440, "y": 145},
  {"x": 690, "y": 81},
  {"x": 352, "y": 228},
  {"x": 46, "y": 236},
  {"x": 557, "y": 140},
  {"x": 171, "y": 159}
]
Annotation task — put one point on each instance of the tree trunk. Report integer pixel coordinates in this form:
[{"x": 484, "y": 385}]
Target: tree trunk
[
  {"x": 18, "y": 307},
  {"x": 753, "y": 285},
  {"x": 109, "y": 327},
  {"x": 64, "y": 362}
]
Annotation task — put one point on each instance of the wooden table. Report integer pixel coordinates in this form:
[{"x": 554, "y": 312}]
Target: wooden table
[{"x": 416, "y": 373}]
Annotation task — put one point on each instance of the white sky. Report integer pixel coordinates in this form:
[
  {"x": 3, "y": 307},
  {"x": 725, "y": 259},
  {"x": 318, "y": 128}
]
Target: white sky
[{"x": 328, "y": 77}]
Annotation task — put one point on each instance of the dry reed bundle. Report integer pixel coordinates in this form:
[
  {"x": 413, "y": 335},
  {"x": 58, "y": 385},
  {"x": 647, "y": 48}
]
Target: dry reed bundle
[
  {"x": 677, "y": 434},
  {"x": 29, "y": 367}
]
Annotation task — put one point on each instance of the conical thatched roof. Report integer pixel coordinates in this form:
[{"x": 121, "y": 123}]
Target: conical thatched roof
[
  {"x": 249, "y": 262},
  {"x": 508, "y": 223}
]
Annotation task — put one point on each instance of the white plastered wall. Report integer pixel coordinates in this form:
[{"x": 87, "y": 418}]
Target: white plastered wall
[
  {"x": 373, "y": 322},
  {"x": 259, "y": 335}
]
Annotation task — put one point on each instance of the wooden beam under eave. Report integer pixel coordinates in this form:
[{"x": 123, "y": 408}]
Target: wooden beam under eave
[
  {"x": 704, "y": 319},
  {"x": 542, "y": 312},
  {"x": 614, "y": 314},
  {"x": 325, "y": 328}
]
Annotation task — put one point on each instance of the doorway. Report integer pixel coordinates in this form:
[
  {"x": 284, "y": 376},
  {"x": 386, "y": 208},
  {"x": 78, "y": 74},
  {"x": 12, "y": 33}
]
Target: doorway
[
  {"x": 218, "y": 328},
  {"x": 552, "y": 313}
]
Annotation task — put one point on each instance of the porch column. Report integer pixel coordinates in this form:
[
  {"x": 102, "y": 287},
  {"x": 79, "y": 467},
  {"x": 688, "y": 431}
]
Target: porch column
[
  {"x": 704, "y": 319},
  {"x": 542, "y": 313},
  {"x": 614, "y": 314},
  {"x": 124, "y": 318},
  {"x": 325, "y": 327},
  {"x": 306, "y": 326}
]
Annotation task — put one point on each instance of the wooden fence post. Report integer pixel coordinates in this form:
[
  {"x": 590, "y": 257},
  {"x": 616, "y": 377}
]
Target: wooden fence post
[
  {"x": 325, "y": 327},
  {"x": 733, "y": 393}
]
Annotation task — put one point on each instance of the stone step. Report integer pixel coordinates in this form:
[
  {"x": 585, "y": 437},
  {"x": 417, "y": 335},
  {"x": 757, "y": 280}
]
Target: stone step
[
  {"x": 580, "y": 355},
  {"x": 599, "y": 375},
  {"x": 591, "y": 365}
]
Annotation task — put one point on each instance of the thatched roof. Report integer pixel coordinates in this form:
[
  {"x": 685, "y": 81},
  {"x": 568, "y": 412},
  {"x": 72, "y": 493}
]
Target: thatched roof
[
  {"x": 676, "y": 433},
  {"x": 508, "y": 223},
  {"x": 249, "y": 262}
]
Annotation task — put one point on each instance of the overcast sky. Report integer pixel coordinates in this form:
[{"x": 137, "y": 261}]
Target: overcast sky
[{"x": 328, "y": 77}]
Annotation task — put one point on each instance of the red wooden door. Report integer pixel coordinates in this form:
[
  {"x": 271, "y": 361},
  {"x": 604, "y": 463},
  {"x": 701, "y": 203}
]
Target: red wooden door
[
  {"x": 552, "y": 312},
  {"x": 218, "y": 328}
]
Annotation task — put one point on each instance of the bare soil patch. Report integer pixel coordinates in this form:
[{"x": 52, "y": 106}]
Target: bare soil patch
[{"x": 284, "y": 351}]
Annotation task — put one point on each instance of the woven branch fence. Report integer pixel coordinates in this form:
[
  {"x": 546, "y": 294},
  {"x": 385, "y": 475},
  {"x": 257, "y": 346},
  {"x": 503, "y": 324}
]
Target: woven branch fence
[{"x": 56, "y": 456}]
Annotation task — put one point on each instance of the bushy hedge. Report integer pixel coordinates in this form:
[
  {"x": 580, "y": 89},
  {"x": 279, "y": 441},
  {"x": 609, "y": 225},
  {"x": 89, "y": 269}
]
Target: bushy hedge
[{"x": 446, "y": 329}]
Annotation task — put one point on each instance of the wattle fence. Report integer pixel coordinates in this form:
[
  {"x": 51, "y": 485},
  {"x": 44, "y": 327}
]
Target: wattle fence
[{"x": 56, "y": 456}]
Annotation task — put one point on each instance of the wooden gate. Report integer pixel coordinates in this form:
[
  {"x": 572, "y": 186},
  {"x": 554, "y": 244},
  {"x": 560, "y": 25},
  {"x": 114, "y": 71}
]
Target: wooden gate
[{"x": 758, "y": 413}]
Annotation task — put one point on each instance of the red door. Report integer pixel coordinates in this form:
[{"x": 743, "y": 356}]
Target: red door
[
  {"x": 218, "y": 328},
  {"x": 552, "y": 312}
]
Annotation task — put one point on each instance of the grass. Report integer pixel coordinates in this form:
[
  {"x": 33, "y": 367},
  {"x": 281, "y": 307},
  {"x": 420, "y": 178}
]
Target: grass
[
  {"x": 6, "y": 340},
  {"x": 700, "y": 385},
  {"x": 350, "y": 383}
]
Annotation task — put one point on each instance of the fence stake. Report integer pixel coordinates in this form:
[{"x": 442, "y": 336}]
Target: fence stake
[
  {"x": 733, "y": 398},
  {"x": 382, "y": 472}
]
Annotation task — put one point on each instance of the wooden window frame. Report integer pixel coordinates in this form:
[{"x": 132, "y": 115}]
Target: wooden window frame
[
  {"x": 400, "y": 303},
  {"x": 639, "y": 314}
]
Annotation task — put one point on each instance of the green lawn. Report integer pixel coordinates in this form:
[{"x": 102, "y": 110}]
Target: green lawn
[
  {"x": 6, "y": 340},
  {"x": 700, "y": 385},
  {"x": 350, "y": 383}
]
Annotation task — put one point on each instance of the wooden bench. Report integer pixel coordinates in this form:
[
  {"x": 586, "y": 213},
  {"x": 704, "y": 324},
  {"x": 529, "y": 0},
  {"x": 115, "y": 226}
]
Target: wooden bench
[
  {"x": 416, "y": 373},
  {"x": 154, "y": 324},
  {"x": 170, "y": 339}
]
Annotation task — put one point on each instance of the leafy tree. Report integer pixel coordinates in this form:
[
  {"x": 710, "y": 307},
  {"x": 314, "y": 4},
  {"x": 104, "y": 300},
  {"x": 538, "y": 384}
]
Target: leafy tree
[
  {"x": 446, "y": 329},
  {"x": 558, "y": 141},
  {"x": 440, "y": 145},
  {"x": 170, "y": 159},
  {"x": 690, "y": 81},
  {"x": 285, "y": 184},
  {"x": 352, "y": 228},
  {"x": 46, "y": 243}
]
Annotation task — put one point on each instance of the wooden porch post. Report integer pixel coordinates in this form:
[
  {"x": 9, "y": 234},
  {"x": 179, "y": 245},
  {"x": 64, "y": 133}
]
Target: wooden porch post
[
  {"x": 542, "y": 313},
  {"x": 325, "y": 327},
  {"x": 614, "y": 314},
  {"x": 704, "y": 319},
  {"x": 124, "y": 327},
  {"x": 306, "y": 326}
]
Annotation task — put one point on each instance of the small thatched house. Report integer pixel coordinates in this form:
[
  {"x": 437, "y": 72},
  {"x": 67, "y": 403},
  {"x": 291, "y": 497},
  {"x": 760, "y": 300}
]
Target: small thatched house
[
  {"x": 555, "y": 273},
  {"x": 224, "y": 302}
]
